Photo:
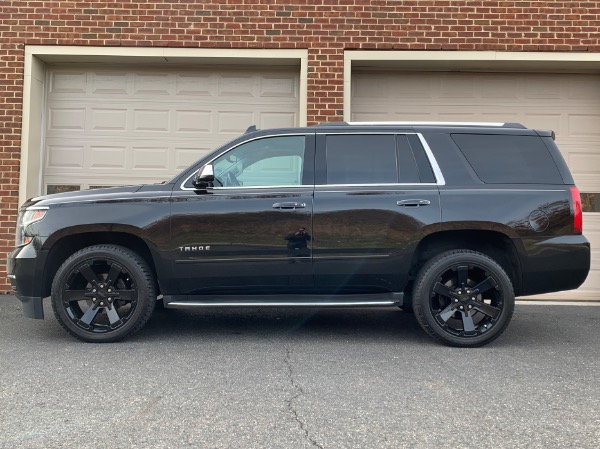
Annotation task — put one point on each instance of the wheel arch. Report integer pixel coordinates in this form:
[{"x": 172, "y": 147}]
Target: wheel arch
[
  {"x": 69, "y": 244},
  {"x": 494, "y": 244}
]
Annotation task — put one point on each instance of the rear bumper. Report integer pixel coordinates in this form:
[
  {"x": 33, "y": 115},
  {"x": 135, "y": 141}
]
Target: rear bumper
[
  {"x": 25, "y": 269},
  {"x": 556, "y": 264}
]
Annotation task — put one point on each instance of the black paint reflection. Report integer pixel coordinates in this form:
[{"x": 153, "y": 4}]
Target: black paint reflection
[{"x": 297, "y": 243}]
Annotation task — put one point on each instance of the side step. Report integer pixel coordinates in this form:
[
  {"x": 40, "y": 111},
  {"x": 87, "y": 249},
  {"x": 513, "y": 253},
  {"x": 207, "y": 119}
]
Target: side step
[{"x": 367, "y": 300}]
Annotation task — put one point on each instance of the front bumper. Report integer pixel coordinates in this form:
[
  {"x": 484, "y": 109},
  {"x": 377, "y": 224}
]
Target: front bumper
[{"x": 25, "y": 269}]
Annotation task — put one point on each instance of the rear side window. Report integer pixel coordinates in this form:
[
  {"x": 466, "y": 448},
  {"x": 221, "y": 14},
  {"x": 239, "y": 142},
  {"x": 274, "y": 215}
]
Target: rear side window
[
  {"x": 375, "y": 159},
  {"x": 362, "y": 159},
  {"x": 506, "y": 159}
]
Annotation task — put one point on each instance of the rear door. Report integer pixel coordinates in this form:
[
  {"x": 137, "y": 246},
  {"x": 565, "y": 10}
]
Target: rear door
[{"x": 376, "y": 197}]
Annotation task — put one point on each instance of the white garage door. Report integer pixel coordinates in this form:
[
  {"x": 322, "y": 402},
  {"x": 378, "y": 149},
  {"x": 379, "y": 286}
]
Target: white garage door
[
  {"x": 132, "y": 125},
  {"x": 566, "y": 103}
]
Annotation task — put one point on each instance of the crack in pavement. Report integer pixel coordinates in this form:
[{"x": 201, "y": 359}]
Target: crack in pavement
[{"x": 299, "y": 392}]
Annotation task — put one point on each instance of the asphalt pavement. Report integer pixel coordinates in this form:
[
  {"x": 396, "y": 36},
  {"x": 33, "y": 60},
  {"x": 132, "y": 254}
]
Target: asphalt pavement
[{"x": 285, "y": 378}]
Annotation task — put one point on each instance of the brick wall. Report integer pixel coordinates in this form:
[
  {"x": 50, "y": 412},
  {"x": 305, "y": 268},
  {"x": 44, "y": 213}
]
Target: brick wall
[{"x": 325, "y": 27}]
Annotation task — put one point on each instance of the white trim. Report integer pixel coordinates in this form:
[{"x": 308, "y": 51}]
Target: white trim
[
  {"x": 437, "y": 171},
  {"x": 31, "y": 128},
  {"x": 37, "y": 56}
]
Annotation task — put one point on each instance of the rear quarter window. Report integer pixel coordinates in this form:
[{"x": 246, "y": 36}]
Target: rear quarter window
[{"x": 507, "y": 159}]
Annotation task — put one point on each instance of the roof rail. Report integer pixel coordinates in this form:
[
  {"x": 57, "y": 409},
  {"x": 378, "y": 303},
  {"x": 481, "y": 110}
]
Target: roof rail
[{"x": 408, "y": 123}]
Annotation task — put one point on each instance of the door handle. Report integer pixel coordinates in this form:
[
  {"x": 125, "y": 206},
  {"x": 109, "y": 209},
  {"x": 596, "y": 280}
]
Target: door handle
[
  {"x": 282, "y": 206},
  {"x": 413, "y": 203}
]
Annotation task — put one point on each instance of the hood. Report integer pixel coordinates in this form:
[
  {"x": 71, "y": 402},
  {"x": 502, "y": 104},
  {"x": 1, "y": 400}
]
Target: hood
[{"x": 83, "y": 195}]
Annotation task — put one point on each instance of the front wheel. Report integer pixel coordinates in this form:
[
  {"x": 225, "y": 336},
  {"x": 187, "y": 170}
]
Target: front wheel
[
  {"x": 103, "y": 293},
  {"x": 463, "y": 298}
]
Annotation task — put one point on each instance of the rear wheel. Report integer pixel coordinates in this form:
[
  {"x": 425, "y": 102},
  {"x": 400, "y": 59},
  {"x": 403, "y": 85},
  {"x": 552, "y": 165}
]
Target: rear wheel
[
  {"x": 103, "y": 293},
  {"x": 463, "y": 298}
]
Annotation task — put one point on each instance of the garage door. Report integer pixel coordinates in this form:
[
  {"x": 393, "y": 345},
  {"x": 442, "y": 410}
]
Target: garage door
[
  {"x": 567, "y": 103},
  {"x": 130, "y": 125}
]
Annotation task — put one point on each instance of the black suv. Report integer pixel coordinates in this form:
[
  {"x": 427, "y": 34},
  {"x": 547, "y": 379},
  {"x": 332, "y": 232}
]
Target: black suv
[{"x": 451, "y": 220}]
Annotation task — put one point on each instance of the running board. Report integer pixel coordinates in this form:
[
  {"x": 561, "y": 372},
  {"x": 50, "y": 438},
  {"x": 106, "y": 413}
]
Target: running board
[{"x": 369, "y": 300}]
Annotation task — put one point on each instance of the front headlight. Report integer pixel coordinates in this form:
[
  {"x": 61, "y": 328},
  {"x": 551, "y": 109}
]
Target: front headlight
[{"x": 26, "y": 217}]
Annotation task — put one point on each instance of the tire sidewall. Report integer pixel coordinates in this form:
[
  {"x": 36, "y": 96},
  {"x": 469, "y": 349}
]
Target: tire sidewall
[
  {"x": 430, "y": 274},
  {"x": 133, "y": 264}
]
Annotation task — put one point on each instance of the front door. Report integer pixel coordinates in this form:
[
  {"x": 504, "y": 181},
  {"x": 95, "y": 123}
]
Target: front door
[{"x": 252, "y": 230}]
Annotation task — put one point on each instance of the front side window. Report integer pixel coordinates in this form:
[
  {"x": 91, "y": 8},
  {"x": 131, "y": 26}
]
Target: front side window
[{"x": 270, "y": 161}]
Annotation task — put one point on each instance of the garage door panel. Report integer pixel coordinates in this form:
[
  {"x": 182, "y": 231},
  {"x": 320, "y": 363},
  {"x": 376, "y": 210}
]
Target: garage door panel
[
  {"x": 150, "y": 158},
  {"x": 182, "y": 157},
  {"x": 107, "y": 157},
  {"x": 151, "y": 120},
  {"x": 67, "y": 119},
  {"x": 193, "y": 121},
  {"x": 539, "y": 120},
  {"x": 231, "y": 122},
  {"x": 195, "y": 84},
  {"x": 499, "y": 88},
  {"x": 277, "y": 86},
  {"x": 110, "y": 83},
  {"x": 452, "y": 86},
  {"x": 66, "y": 157},
  {"x": 152, "y": 84},
  {"x": 65, "y": 82},
  {"x": 541, "y": 87},
  {"x": 277, "y": 120},
  {"x": 587, "y": 183},
  {"x": 109, "y": 119},
  {"x": 584, "y": 125},
  {"x": 569, "y": 104},
  {"x": 585, "y": 162}
]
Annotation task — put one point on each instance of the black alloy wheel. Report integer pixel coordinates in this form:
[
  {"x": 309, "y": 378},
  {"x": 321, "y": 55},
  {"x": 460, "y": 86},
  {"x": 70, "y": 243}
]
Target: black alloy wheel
[
  {"x": 103, "y": 293},
  {"x": 463, "y": 298}
]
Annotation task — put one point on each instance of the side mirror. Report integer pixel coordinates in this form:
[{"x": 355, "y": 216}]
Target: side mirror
[{"x": 205, "y": 177}]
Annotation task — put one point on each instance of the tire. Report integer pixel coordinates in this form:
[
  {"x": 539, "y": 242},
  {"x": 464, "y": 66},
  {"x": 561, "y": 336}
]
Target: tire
[
  {"x": 463, "y": 298},
  {"x": 103, "y": 293}
]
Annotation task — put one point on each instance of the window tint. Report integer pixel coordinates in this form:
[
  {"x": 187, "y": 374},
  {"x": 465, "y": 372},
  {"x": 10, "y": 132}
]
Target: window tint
[
  {"x": 503, "y": 159},
  {"x": 425, "y": 171},
  {"x": 361, "y": 159},
  {"x": 272, "y": 161},
  {"x": 407, "y": 166}
]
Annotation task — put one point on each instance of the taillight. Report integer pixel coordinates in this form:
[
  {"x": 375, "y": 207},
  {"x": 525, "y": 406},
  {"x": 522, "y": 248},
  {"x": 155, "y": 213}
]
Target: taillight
[{"x": 577, "y": 212}]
